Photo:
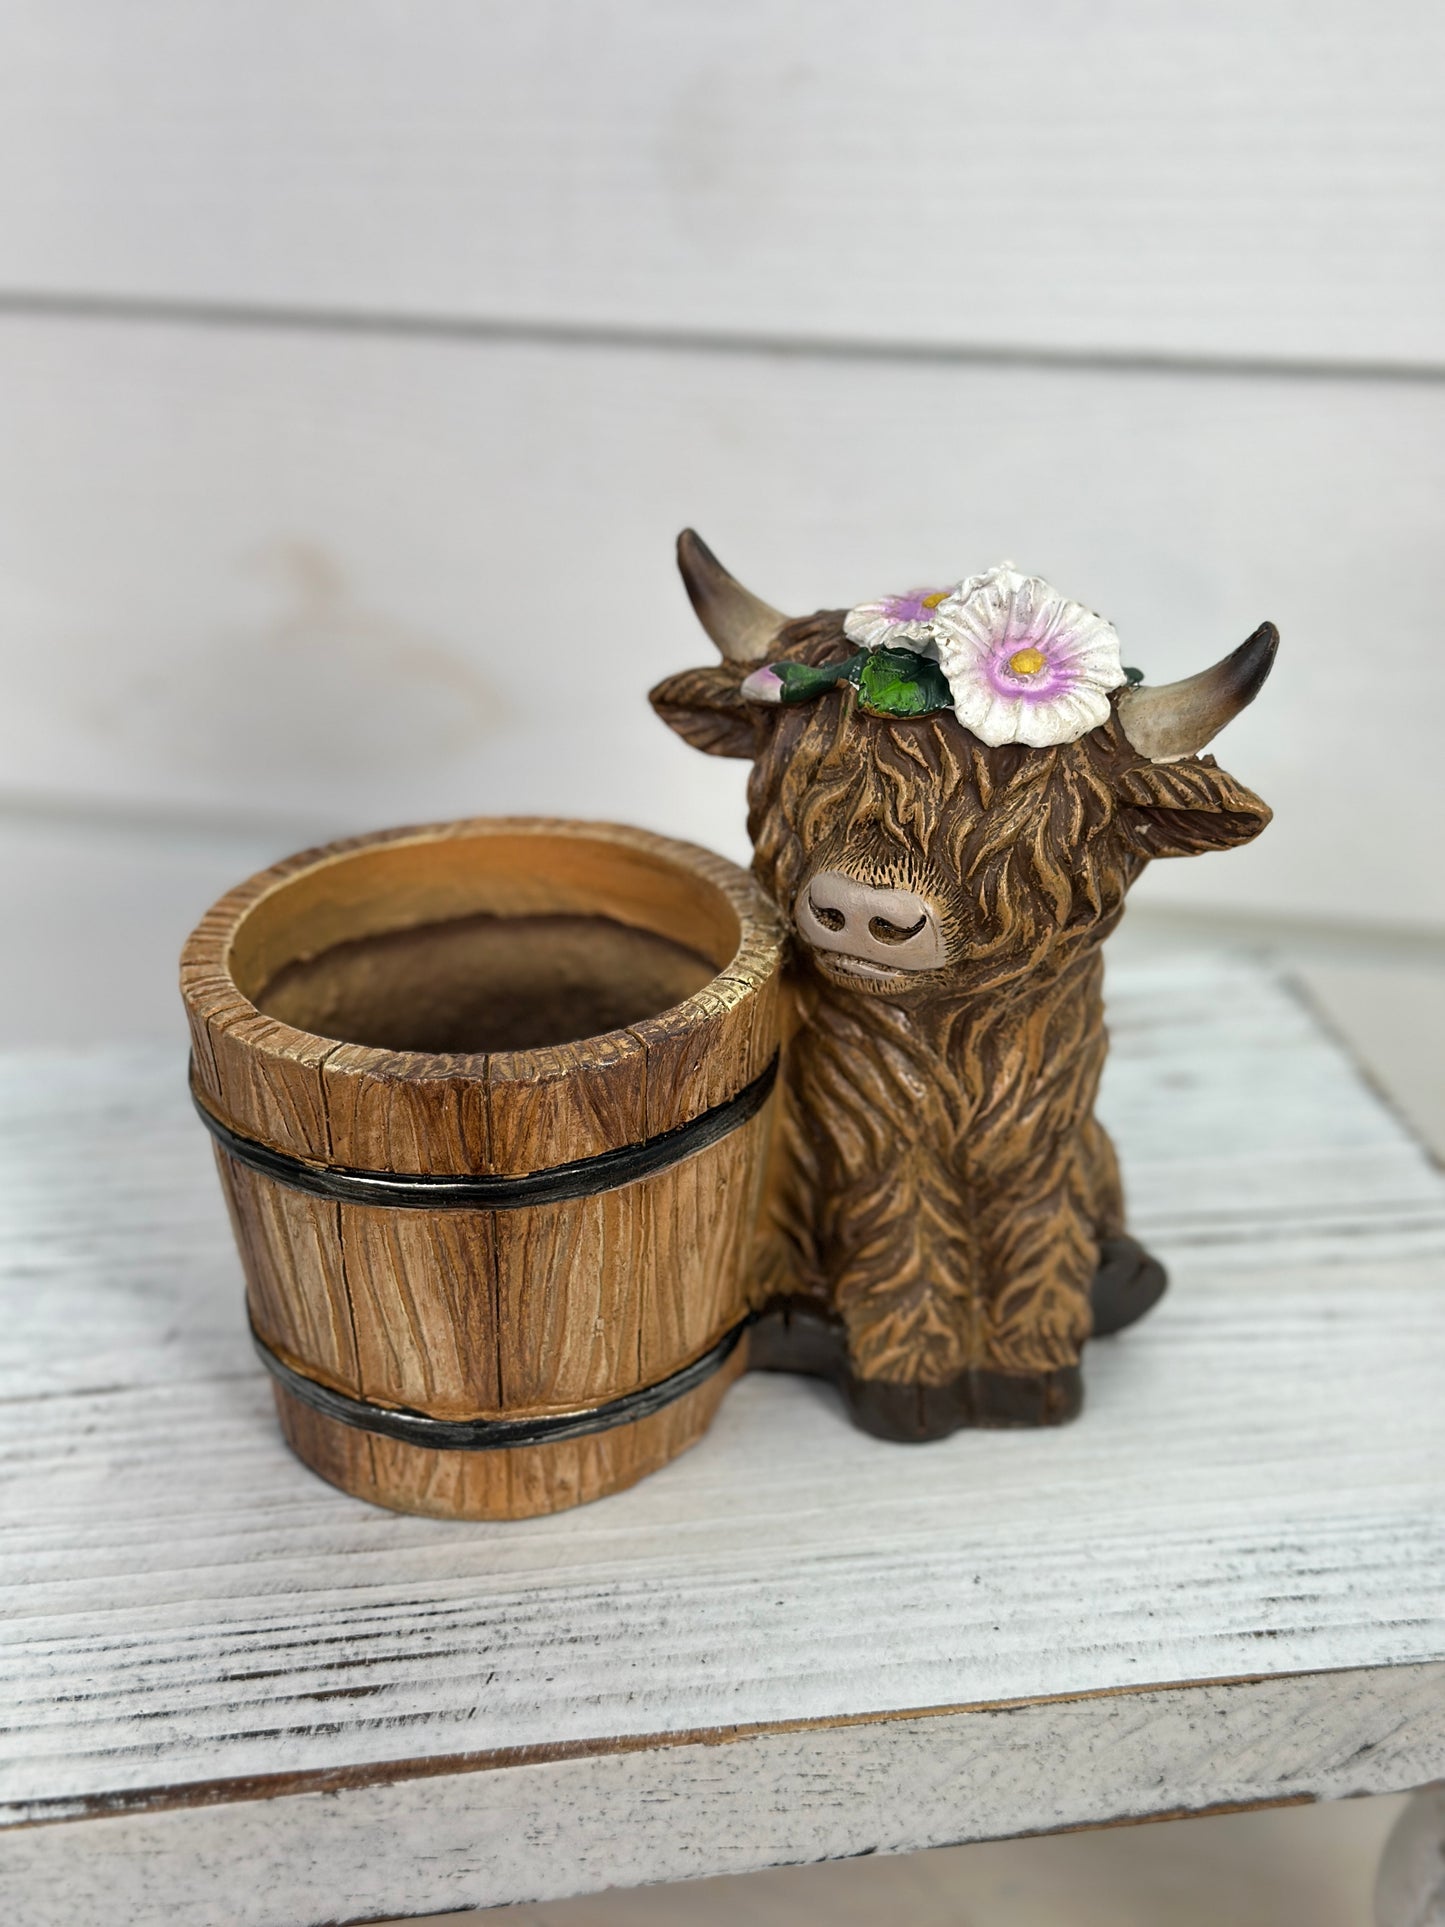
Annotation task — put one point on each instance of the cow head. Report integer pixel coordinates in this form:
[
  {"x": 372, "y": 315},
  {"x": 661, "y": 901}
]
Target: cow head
[{"x": 914, "y": 858}]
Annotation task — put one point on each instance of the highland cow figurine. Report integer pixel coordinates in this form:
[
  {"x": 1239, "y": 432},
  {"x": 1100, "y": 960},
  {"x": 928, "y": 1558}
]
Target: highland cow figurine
[{"x": 952, "y": 791}]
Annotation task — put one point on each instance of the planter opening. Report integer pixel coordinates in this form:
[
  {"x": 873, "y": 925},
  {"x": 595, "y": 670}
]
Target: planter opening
[{"x": 486, "y": 983}]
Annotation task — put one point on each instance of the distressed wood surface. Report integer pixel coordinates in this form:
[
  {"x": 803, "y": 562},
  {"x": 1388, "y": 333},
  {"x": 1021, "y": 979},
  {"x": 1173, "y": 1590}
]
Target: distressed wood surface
[
  {"x": 734, "y": 1804},
  {"x": 367, "y": 521},
  {"x": 202, "y": 1638},
  {"x": 1261, "y": 178}
]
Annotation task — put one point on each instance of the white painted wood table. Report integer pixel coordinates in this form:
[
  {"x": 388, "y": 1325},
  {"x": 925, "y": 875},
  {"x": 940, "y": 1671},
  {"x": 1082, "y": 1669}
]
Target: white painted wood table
[{"x": 234, "y": 1695}]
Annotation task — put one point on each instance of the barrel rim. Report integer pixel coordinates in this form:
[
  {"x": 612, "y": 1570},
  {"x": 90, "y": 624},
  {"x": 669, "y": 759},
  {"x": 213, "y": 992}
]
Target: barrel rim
[{"x": 213, "y": 996}]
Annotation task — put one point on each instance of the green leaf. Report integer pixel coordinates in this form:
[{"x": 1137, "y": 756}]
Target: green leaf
[
  {"x": 801, "y": 682},
  {"x": 900, "y": 682}
]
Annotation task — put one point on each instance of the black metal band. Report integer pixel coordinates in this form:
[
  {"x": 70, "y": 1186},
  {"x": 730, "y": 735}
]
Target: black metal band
[
  {"x": 496, "y": 1434},
  {"x": 443, "y": 1191}
]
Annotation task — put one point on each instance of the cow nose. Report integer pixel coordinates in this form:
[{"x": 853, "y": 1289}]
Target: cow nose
[{"x": 893, "y": 929}]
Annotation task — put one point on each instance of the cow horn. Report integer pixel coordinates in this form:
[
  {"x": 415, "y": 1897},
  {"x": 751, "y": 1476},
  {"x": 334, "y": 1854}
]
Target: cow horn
[
  {"x": 743, "y": 628},
  {"x": 1179, "y": 718}
]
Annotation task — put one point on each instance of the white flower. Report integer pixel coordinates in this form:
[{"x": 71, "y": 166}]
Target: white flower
[
  {"x": 895, "y": 621},
  {"x": 1024, "y": 664}
]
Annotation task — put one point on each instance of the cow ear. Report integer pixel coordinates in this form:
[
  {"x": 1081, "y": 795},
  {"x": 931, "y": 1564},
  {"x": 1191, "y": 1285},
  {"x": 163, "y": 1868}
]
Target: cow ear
[
  {"x": 1186, "y": 808},
  {"x": 706, "y": 710}
]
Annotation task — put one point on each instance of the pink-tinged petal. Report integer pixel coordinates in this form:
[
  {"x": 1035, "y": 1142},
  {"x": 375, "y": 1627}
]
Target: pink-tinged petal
[
  {"x": 896, "y": 621},
  {"x": 764, "y": 685},
  {"x": 1064, "y": 719},
  {"x": 917, "y": 606}
]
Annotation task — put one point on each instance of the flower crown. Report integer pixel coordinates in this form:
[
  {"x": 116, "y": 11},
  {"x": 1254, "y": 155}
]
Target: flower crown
[{"x": 1014, "y": 660}]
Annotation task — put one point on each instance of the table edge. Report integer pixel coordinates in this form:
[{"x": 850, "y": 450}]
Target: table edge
[{"x": 18, "y": 1815}]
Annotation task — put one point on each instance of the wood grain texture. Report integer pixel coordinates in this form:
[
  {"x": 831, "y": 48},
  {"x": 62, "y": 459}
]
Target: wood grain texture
[
  {"x": 1261, "y": 179},
  {"x": 198, "y": 1631},
  {"x": 524, "y": 1482},
  {"x": 289, "y": 1238},
  {"x": 482, "y": 1313},
  {"x": 208, "y": 517}
]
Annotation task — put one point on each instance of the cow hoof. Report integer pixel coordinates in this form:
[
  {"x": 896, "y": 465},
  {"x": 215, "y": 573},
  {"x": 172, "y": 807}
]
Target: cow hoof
[
  {"x": 1127, "y": 1284},
  {"x": 915, "y": 1414},
  {"x": 801, "y": 1335}
]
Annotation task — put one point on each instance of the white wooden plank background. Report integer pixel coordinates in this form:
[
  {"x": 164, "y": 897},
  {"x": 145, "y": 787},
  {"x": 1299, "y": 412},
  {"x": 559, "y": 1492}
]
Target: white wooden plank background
[
  {"x": 1255, "y": 1489},
  {"x": 367, "y": 580},
  {"x": 1258, "y": 178},
  {"x": 764, "y": 268}
]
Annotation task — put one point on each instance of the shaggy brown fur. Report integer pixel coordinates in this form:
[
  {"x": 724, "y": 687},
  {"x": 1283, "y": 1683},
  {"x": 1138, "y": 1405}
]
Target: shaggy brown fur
[{"x": 943, "y": 1185}]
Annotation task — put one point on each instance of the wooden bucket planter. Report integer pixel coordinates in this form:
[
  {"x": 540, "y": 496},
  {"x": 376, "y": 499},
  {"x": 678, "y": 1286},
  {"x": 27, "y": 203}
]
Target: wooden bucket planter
[{"x": 490, "y": 1102}]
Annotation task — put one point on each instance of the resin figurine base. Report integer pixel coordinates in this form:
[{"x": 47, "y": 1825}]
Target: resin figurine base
[{"x": 799, "y": 1335}]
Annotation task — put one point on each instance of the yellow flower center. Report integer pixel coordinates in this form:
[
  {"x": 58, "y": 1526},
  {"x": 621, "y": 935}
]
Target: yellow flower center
[
  {"x": 932, "y": 601},
  {"x": 1027, "y": 662}
]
